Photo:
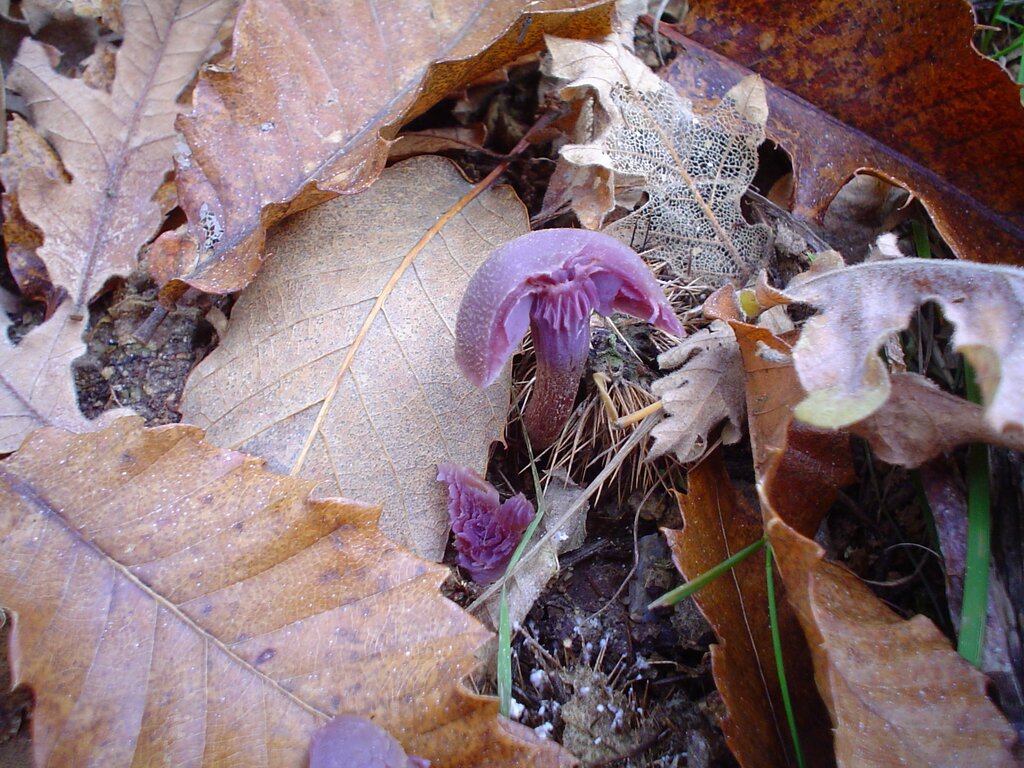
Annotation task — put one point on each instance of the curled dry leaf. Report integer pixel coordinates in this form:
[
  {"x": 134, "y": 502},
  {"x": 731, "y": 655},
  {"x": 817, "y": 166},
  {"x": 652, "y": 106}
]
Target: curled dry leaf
[
  {"x": 27, "y": 149},
  {"x": 919, "y": 421},
  {"x": 207, "y": 612},
  {"x": 339, "y": 361},
  {"x": 639, "y": 136},
  {"x": 897, "y": 90},
  {"x": 307, "y": 103},
  {"x": 896, "y": 690},
  {"x": 898, "y": 693},
  {"x": 861, "y": 306},
  {"x": 717, "y": 523},
  {"x": 116, "y": 146},
  {"x": 705, "y": 391}
]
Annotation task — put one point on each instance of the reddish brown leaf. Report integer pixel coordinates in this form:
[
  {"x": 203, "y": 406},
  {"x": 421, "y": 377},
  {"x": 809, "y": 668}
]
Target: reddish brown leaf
[
  {"x": 116, "y": 146},
  {"x": 718, "y": 523},
  {"x": 894, "y": 89},
  {"x": 306, "y": 105},
  {"x": 175, "y": 602}
]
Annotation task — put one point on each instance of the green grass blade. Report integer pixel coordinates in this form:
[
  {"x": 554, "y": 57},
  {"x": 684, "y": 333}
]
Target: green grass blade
[
  {"x": 504, "y": 662},
  {"x": 780, "y": 667},
  {"x": 685, "y": 590},
  {"x": 974, "y": 613}
]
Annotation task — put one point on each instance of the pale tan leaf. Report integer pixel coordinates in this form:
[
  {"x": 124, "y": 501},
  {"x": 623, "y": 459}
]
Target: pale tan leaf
[
  {"x": 36, "y": 387},
  {"x": 705, "y": 391},
  {"x": 861, "y": 306},
  {"x": 309, "y": 99},
  {"x": 117, "y": 146},
  {"x": 920, "y": 421},
  {"x": 323, "y": 314},
  {"x": 175, "y": 603},
  {"x": 637, "y": 136}
]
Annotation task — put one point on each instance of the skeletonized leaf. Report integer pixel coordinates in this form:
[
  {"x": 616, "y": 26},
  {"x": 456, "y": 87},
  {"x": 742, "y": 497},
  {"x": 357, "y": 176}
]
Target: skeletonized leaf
[
  {"x": 639, "y": 136},
  {"x": 116, "y": 146},
  {"x": 705, "y": 391},
  {"x": 861, "y": 306},
  {"x": 207, "y": 612},
  {"x": 307, "y": 103},
  {"x": 896, "y": 90},
  {"x": 330, "y": 371},
  {"x": 717, "y": 523},
  {"x": 36, "y": 387}
]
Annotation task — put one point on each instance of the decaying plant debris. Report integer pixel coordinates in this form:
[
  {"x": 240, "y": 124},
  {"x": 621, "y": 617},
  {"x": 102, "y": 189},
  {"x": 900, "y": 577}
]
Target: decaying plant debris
[{"x": 219, "y": 590}]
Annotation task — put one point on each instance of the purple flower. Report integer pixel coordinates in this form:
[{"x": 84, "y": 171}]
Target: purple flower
[
  {"x": 551, "y": 281},
  {"x": 486, "y": 531}
]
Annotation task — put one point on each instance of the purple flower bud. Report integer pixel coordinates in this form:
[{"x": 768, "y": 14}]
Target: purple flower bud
[
  {"x": 486, "y": 531},
  {"x": 551, "y": 281}
]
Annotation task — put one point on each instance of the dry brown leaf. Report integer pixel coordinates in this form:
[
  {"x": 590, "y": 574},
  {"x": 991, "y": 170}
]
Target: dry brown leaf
[
  {"x": 919, "y": 421},
  {"x": 637, "y": 137},
  {"x": 898, "y": 693},
  {"x": 36, "y": 386},
  {"x": 861, "y": 306},
  {"x": 27, "y": 149},
  {"x": 207, "y": 612},
  {"x": 705, "y": 391},
  {"x": 718, "y": 522},
  {"x": 116, "y": 146},
  {"x": 428, "y": 142},
  {"x": 368, "y": 413},
  {"x": 896, "y": 690},
  {"x": 896, "y": 90},
  {"x": 305, "y": 107}
]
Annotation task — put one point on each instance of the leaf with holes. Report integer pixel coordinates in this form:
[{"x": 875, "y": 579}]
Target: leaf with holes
[
  {"x": 207, "y": 612},
  {"x": 116, "y": 146},
  {"x": 895, "y": 90},
  {"x": 863, "y": 305},
  {"x": 338, "y": 364},
  {"x": 638, "y": 138}
]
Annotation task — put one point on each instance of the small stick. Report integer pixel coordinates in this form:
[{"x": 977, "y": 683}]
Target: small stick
[
  {"x": 601, "y": 382},
  {"x": 635, "y": 416}
]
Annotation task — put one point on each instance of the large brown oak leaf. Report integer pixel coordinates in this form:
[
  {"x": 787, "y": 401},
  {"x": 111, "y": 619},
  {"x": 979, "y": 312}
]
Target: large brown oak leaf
[{"x": 177, "y": 604}]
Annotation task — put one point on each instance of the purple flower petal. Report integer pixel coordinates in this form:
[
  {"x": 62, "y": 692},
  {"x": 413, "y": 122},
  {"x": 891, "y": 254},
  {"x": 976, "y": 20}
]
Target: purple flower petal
[
  {"x": 594, "y": 272},
  {"x": 486, "y": 531}
]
